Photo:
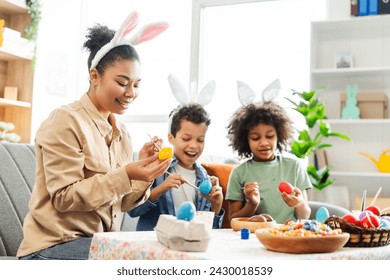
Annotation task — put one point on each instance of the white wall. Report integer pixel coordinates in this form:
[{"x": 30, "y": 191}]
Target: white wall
[{"x": 61, "y": 71}]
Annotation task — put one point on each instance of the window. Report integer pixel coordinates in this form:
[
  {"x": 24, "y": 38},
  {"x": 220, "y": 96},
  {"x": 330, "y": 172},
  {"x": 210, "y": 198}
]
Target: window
[{"x": 255, "y": 42}]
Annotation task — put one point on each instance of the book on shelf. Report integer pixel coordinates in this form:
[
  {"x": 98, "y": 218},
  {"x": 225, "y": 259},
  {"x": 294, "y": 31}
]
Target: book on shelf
[
  {"x": 383, "y": 7},
  {"x": 354, "y": 8},
  {"x": 373, "y": 7},
  {"x": 362, "y": 7}
]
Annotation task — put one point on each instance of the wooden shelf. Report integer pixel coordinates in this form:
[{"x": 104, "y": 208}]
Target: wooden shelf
[
  {"x": 13, "y": 7},
  {"x": 360, "y": 174},
  {"x": 359, "y": 122},
  {"x": 16, "y": 68},
  {"x": 8, "y": 102},
  {"x": 347, "y": 72},
  {"x": 8, "y": 52}
]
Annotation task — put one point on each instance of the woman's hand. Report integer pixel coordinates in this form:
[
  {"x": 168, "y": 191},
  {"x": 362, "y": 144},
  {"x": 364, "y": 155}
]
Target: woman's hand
[
  {"x": 147, "y": 169},
  {"x": 150, "y": 148}
]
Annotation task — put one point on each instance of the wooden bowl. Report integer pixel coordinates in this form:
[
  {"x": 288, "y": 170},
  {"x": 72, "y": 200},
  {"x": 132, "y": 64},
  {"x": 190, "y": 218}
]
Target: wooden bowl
[
  {"x": 239, "y": 223},
  {"x": 301, "y": 245}
]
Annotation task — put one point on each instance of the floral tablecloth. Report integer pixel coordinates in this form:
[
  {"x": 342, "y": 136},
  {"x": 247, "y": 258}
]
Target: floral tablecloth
[{"x": 224, "y": 244}]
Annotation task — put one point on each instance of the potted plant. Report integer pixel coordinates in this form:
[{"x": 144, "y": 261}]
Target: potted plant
[
  {"x": 34, "y": 9},
  {"x": 312, "y": 138},
  {"x": 5, "y": 133}
]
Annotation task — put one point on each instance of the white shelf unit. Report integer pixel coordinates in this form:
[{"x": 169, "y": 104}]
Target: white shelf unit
[{"x": 368, "y": 40}]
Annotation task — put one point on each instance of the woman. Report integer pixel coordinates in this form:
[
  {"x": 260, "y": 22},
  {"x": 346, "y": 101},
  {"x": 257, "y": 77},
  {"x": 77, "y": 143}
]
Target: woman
[{"x": 85, "y": 176}]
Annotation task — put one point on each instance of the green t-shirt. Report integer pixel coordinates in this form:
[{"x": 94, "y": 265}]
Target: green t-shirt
[{"x": 284, "y": 167}]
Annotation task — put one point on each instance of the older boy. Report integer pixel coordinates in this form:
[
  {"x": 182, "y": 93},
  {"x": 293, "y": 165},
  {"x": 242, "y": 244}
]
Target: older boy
[{"x": 187, "y": 134}]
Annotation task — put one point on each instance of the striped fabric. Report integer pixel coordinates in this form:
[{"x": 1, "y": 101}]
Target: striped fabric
[{"x": 17, "y": 173}]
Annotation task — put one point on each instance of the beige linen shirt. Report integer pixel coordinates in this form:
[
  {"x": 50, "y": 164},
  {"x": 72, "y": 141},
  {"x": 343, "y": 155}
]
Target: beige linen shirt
[{"x": 81, "y": 183}]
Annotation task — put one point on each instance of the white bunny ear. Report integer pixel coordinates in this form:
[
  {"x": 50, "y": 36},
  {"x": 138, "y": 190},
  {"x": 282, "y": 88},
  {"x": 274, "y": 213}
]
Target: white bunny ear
[
  {"x": 127, "y": 26},
  {"x": 178, "y": 90},
  {"x": 245, "y": 94},
  {"x": 272, "y": 91},
  {"x": 149, "y": 32},
  {"x": 206, "y": 94}
]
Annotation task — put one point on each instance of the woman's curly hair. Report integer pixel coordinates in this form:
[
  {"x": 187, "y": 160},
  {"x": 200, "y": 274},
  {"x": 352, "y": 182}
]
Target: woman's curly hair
[
  {"x": 99, "y": 35},
  {"x": 249, "y": 116}
]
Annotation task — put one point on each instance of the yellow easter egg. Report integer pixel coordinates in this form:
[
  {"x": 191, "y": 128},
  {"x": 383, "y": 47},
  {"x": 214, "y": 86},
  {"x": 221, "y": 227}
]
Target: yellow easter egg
[{"x": 165, "y": 153}]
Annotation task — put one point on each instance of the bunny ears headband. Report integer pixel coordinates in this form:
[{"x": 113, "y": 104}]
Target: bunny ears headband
[
  {"x": 184, "y": 97},
  {"x": 146, "y": 33},
  {"x": 246, "y": 95}
]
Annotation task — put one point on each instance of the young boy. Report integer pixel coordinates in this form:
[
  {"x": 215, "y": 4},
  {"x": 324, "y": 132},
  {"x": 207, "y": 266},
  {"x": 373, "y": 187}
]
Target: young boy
[{"x": 187, "y": 134}]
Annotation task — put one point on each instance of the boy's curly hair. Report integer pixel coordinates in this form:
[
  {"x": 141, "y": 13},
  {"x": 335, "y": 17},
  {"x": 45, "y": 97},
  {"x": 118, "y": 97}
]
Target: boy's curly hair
[
  {"x": 249, "y": 116},
  {"x": 192, "y": 112}
]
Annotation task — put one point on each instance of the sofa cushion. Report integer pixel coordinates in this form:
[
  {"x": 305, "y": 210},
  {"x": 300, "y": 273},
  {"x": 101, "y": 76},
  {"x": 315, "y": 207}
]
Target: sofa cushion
[{"x": 17, "y": 176}]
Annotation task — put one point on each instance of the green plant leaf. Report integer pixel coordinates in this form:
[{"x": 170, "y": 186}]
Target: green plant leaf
[
  {"x": 340, "y": 135},
  {"x": 313, "y": 111}
]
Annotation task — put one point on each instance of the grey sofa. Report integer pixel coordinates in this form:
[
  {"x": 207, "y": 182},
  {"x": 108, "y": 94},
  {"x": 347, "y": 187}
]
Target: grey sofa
[{"x": 17, "y": 175}]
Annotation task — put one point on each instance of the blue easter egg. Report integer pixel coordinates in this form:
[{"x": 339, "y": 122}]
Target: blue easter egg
[
  {"x": 384, "y": 223},
  {"x": 205, "y": 187},
  {"x": 186, "y": 211},
  {"x": 322, "y": 214}
]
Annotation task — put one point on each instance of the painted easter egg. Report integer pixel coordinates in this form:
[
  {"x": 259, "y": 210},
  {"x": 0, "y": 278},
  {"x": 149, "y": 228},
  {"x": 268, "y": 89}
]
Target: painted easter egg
[
  {"x": 285, "y": 187},
  {"x": 351, "y": 218},
  {"x": 374, "y": 209},
  {"x": 165, "y": 153},
  {"x": 322, "y": 214},
  {"x": 384, "y": 223},
  {"x": 205, "y": 187},
  {"x": 370, "y": 221},
  {"x": 186, "y": 211}
]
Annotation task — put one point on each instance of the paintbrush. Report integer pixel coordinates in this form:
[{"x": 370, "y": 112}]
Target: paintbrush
[
  {"x": 376, "y": 196},
  {"x": 261, "y": 183},
  {"x": 364, "y": 200}
]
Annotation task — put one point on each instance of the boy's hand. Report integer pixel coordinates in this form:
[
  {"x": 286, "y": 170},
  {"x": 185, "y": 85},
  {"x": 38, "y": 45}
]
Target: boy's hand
[
  {"x": 215, "y": 196},
  {"x": 174, "y": 180}
]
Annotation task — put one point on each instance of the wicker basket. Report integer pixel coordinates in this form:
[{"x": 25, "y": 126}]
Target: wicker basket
[{"x": 360, "y": 237}]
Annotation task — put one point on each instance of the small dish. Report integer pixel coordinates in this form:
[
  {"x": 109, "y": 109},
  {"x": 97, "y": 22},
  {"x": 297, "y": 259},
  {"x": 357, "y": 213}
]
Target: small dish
[
  {"x": 301, "y": 245},
  {"x": 239, "y": 223}
]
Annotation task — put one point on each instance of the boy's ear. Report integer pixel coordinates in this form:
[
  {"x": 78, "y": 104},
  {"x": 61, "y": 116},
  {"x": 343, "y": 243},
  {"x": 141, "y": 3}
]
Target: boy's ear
[{"x": 170, "y": 138}]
